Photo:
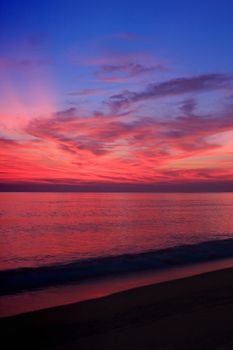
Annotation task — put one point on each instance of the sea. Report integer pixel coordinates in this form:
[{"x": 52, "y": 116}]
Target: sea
[{"x": 57, "y": 248}]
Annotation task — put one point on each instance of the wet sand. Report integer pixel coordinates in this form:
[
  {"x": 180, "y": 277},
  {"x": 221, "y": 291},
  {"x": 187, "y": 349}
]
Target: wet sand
[{"x": 190, "y": 313}]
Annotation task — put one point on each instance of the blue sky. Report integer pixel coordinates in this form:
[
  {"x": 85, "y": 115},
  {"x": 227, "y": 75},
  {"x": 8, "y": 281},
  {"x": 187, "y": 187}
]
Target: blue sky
[{"x": 191, "y": 36}]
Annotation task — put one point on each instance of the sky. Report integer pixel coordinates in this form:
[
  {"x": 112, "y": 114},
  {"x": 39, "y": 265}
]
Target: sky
[{"x": 116, "y": 93}]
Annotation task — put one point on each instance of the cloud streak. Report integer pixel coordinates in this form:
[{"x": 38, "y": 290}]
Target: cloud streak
[
  {"x": 129, "y": 70},
  {"x": 173, "y": 87}
]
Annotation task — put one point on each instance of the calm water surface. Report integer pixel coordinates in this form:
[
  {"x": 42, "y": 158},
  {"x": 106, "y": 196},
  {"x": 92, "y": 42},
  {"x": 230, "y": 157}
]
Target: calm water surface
[{"x": 52, "y": 228}]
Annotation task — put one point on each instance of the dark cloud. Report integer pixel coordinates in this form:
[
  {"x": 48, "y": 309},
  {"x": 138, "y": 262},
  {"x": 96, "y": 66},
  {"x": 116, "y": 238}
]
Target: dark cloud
[
  {"x": 67, "y": 114},
  {"x": 129, "y": 69},
  {"x": 174, "y": 87},
  {"x": 13, "y": 63},
  {"x": 4, "y": 141},
  {"x": 87, "y": 92},
  {"x": 188, "y": 106}
]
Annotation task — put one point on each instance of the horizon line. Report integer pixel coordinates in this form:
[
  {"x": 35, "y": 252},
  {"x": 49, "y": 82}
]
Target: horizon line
[{"x": 202, "y": 187}]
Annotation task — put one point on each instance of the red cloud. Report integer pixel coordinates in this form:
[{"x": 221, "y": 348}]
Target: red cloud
[
  {"x": 120, "y": 149},
  {"x": 69, "y": 148}
]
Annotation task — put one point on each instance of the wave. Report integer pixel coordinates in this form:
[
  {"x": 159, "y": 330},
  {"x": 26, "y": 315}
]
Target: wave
[{"x": 17, "y": 280}]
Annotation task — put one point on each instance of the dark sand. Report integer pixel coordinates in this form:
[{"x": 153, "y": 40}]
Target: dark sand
[{"x": 191, "y": 313}]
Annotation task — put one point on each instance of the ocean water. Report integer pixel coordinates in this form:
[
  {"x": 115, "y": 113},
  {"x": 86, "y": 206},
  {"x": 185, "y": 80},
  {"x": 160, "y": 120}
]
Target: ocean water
[{"x": 55, "y": 238}]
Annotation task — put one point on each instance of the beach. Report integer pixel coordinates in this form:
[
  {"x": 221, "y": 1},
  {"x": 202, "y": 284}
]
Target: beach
[{"x": 189, "y": 313}]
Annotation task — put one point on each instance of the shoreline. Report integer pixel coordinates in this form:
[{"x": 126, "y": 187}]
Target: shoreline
[
  {"x": 56, "y": 296},
  {"x": 189, "y": 313}
]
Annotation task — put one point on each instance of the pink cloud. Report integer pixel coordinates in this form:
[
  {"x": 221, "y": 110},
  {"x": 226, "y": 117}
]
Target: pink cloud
[{"x": 122, "y": 146}]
